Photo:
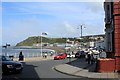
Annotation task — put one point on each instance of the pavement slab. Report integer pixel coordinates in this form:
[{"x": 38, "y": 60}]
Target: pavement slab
[{"x": 84, "y": 71}]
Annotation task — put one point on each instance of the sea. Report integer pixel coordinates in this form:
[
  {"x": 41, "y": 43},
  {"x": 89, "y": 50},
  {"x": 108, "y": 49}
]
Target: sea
[{"x": 26, "y": 52}]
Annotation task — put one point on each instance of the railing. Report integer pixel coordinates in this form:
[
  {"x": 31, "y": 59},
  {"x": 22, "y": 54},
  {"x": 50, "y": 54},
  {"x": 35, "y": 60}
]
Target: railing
[{"x": 28, "y": 55}]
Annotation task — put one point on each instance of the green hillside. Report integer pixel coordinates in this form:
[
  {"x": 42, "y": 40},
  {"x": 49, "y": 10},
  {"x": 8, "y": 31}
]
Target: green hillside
[{"x": 37, "y": 39}]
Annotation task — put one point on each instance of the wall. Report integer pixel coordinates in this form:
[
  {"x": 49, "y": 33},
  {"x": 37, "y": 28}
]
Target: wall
[{"x": 117, "y": 34}]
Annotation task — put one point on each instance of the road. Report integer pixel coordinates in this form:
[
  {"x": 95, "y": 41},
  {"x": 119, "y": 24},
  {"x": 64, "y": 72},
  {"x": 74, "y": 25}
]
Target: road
[{"x": 40, "y": 70}]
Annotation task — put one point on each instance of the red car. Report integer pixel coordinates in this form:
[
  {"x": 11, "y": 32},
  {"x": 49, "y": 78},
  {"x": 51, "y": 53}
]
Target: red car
[{"x": 60, "y": 56}]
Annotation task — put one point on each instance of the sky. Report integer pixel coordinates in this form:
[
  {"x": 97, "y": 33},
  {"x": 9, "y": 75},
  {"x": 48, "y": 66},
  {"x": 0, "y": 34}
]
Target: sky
[{"x": 21, "y": 20}]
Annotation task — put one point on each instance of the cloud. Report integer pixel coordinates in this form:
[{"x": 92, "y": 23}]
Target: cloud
[
  {"x": 52, "y": 8},
  {"x": 64, "y": 29},
  {"x": 69, "y": 28},
  {"x": 95, "y": 7},
  {"x": 22, "y": 20},
  {"x": 41, "y": 8}
]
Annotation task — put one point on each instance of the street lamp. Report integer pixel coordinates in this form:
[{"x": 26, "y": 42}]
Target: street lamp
[
  {"x": 6, "y": 46},
  {"x": 81, "y": 28}
]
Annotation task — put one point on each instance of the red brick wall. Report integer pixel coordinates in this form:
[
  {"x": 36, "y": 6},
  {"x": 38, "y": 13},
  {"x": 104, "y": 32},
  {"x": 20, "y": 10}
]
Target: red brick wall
[
  {"x": 102, "y": 65},
  {"x": 116, "y": 13}
]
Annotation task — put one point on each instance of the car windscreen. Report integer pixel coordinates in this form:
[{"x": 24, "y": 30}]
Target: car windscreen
[
  {"x": 6, "y": 58},
  {"x": 60, "y": 54}
]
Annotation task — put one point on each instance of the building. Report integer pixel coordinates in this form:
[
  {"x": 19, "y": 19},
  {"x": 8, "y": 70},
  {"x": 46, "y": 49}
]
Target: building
[
  {"x": 100, "y": 44},
  {"x": 117, "y": 33},
  {"x": 112, "y": 29},
  {"x": 94, "y": 41}
]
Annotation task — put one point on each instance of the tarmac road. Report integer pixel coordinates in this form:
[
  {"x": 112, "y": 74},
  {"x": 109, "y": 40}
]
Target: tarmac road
[{"x": 40, "y": 70}]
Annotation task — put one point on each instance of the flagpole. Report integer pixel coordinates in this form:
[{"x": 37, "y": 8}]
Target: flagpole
[
  {"x": 41, "y": 44},
  {"x": 41, "y": 41}
]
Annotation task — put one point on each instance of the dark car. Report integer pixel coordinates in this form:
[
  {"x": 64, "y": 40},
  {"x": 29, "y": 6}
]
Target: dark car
[
  {"x": 60, "y": 56},
  {"x": 10, "y": 66},
  {"x": 77, "y": 55},
  {"x": 80, "y": 54}
]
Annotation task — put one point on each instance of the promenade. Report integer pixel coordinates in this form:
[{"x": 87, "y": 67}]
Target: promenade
[{"x": 29, "y": 59}]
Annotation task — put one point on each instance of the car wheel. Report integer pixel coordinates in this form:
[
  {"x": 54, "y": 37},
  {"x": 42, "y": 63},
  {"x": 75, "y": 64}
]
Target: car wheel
[{"x": 5, "y": 71}]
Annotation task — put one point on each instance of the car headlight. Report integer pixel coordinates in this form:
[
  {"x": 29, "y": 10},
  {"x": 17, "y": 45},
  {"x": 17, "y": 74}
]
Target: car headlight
[{"x": 10, "y": 66}]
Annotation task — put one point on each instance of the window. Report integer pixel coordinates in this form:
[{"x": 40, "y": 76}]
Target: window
[
  {"x": 108, "y": 13},
  {"x": 108, "y": 7}
]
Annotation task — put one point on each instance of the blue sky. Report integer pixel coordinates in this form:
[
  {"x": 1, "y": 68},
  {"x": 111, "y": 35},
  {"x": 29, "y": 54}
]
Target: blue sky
[{"x": 21, "y": 20}]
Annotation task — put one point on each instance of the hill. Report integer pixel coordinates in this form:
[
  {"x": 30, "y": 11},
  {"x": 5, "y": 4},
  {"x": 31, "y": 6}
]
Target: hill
[{"x": 37, "y": 39}]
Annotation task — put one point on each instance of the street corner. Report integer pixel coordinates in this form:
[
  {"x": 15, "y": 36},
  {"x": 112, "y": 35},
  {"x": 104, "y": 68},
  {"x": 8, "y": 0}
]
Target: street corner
[
  {"x": 78, "y": 72},
  {"x": 57, "y": 68},
  {"x": 67, "y": 69}
]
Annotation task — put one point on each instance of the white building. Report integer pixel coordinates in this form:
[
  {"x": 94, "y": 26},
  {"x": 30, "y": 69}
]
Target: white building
[
  {"x": 100, "y": 44},
  {"x": 92, "y": 44}
]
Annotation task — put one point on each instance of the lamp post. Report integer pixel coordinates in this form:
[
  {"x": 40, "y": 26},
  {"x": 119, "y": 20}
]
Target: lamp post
[
  {"x": 6, "y": 46},
  {"x": 81, "y": 29}
]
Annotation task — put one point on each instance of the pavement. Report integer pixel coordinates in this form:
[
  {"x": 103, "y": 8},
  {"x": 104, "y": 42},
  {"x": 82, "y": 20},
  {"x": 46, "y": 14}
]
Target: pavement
[
  {"x": 77, "y": 67},
  {"x": 81, "y": 68}
]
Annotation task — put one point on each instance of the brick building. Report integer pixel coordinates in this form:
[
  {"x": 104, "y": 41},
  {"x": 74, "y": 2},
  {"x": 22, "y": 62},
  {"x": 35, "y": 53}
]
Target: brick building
[
  {"x": 116, "y": 14},
  {"x": 112, "y": 29}
]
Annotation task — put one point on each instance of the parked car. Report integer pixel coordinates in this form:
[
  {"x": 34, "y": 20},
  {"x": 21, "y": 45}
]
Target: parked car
[
  {"x": 71, "y": 55},
  {"x": 77, "y": 55},
  {"x": 80, "y": 54},
  {"x": 10, "y": 66},
  {"x": 60, "y": 56}
]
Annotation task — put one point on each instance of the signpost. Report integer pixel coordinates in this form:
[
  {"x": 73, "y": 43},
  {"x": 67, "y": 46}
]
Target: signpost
[{"x": 6, "y": 46}]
